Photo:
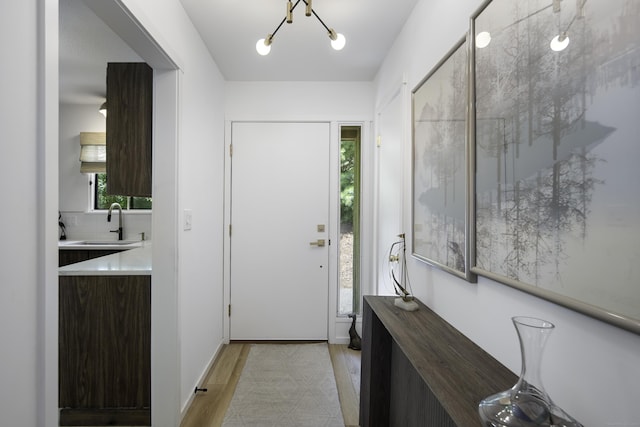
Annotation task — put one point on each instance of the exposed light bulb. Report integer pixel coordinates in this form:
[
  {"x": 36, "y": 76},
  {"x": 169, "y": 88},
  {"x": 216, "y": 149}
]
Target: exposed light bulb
[
  {"x": 559, "y": 42},
  {"x": 262, "y": 47},
  {"x": 339, "y": 41},
  {"x": 483, "y": 39}
]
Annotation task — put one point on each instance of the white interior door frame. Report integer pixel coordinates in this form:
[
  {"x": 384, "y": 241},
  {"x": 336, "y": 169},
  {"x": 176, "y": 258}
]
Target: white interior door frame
[
  {"x": 391, "y": 142},
  {"x": 165, "y": 358}
]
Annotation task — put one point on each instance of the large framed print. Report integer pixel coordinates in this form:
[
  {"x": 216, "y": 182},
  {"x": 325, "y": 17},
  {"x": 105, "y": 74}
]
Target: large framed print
[
  {"x": 440, "y": 165},
  {"x": 556, "y": 116}
]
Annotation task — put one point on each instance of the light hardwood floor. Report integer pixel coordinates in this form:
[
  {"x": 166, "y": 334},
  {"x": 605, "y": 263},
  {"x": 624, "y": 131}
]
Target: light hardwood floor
[{"x": 208, "y": 409}]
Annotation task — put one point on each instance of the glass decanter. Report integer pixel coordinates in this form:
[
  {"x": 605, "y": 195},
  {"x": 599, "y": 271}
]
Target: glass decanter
[{"x": 526, "y": 404}]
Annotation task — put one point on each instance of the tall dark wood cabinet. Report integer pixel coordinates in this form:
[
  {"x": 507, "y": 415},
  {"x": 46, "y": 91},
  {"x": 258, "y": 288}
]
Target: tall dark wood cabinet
[{"x": 129, "y": 128}]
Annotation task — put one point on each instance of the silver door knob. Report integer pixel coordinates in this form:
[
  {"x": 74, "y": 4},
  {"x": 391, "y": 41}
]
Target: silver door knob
[{"x": 319, "y": 242}]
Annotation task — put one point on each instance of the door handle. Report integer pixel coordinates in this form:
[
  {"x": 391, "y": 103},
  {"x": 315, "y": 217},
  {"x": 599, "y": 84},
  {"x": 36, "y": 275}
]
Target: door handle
[{"x": 319, "y": 242}]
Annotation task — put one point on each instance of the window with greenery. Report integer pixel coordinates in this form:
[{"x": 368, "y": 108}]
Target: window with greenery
[
  {"x": 349, "y": 283},
  {"x": 102, "y": 201}
]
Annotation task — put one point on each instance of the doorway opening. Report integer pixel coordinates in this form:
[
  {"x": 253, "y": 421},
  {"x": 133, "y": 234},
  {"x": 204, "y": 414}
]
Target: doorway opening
[{"x": 349, "y": 250}]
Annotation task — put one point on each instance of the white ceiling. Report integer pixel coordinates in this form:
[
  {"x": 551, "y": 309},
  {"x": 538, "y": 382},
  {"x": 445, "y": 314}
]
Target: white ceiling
[{"x": 301, "y": 51}]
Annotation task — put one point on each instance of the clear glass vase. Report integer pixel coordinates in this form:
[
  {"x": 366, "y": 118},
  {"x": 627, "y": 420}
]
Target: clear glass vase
[{"x": 526, "y": 404}]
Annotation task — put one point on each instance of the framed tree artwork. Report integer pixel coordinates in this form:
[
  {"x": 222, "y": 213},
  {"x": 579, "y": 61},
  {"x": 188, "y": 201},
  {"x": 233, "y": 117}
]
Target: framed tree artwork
[
  {"x": 555, "y": 113},
  {"x": 440, "y": 165}
]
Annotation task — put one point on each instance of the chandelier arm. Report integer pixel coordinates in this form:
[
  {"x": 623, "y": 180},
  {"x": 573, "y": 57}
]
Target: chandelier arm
[
  {"x": 284, "y": 19},
  {"x": 572, "y": 20},
  {"x": 316, "y": 15},
  {"x": 278, "y": 27}
]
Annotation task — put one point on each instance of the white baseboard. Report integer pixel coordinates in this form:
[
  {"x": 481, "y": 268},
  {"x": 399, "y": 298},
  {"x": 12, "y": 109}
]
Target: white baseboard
[{"x": 201, "y": 379}]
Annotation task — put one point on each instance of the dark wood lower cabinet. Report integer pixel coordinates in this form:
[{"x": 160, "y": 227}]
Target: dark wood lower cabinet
[
  {"x": 418, "y": 370},
  {"x": 105, "y": 350},
  {"x": 105, "y": 417}
]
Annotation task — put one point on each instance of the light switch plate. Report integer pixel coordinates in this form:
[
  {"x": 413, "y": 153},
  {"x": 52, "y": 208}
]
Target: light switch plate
[{"x": 188, "y": 216}]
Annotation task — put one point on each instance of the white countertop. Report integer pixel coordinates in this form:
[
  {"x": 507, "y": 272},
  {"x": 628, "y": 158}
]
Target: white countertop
[
  {"x": 133, "y": 262},
  {"x": 99, "y": 244}
]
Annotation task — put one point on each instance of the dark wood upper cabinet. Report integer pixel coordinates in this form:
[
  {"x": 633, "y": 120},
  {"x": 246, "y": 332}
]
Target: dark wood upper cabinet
[{"x": 129, "y": 128}]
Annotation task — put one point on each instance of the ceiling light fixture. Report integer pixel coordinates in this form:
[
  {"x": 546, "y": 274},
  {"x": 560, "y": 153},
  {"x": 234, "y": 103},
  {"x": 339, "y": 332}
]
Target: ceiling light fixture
[
  {"x": 263, "y": 46},
  {"x": 483, "y": 39},
  {"x": 103, "y": 109},
  {"x": 559, "y": 42}
]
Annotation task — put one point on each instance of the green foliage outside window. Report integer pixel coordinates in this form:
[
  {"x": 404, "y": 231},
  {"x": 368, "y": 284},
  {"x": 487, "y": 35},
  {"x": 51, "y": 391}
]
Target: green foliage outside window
[
  {"x": 347, "y": 178},
  {"x": 104, "y": 201}
]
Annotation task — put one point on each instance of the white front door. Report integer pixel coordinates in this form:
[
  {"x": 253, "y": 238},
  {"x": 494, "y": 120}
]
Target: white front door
[{"x": 279, "y": 207}]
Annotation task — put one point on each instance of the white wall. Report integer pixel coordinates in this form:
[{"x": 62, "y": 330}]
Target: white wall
[
  {"x": 201, "y": 183},
  {"x": 297, "y": 100},
  {"x": 74, "y": 190},
  {"x": 590, "y": 368}
]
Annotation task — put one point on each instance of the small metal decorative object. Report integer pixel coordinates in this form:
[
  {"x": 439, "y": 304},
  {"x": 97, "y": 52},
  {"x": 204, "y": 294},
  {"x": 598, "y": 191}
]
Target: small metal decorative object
[
  {"x": 61, "y": 226},
  {"x": 355, "y": 342}
]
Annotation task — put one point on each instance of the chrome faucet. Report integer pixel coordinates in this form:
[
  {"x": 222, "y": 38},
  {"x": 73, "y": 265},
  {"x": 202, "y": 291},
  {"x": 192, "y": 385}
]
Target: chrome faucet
[{"x": 119, "y": 230}]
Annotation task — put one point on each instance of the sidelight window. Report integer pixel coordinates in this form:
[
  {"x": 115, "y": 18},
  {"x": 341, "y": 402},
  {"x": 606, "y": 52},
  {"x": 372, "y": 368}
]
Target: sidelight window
[{"x": 349, "y": 250}]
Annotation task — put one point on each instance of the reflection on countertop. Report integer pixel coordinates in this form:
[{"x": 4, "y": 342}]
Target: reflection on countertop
[{"x": 133, "y": 262}]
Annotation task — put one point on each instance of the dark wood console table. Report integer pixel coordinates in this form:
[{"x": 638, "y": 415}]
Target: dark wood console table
[{"x": 418, "y": 370}]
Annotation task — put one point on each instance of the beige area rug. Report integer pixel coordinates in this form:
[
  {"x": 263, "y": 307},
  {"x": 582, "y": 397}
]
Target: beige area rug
[{"x": 286, "y": 385}]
